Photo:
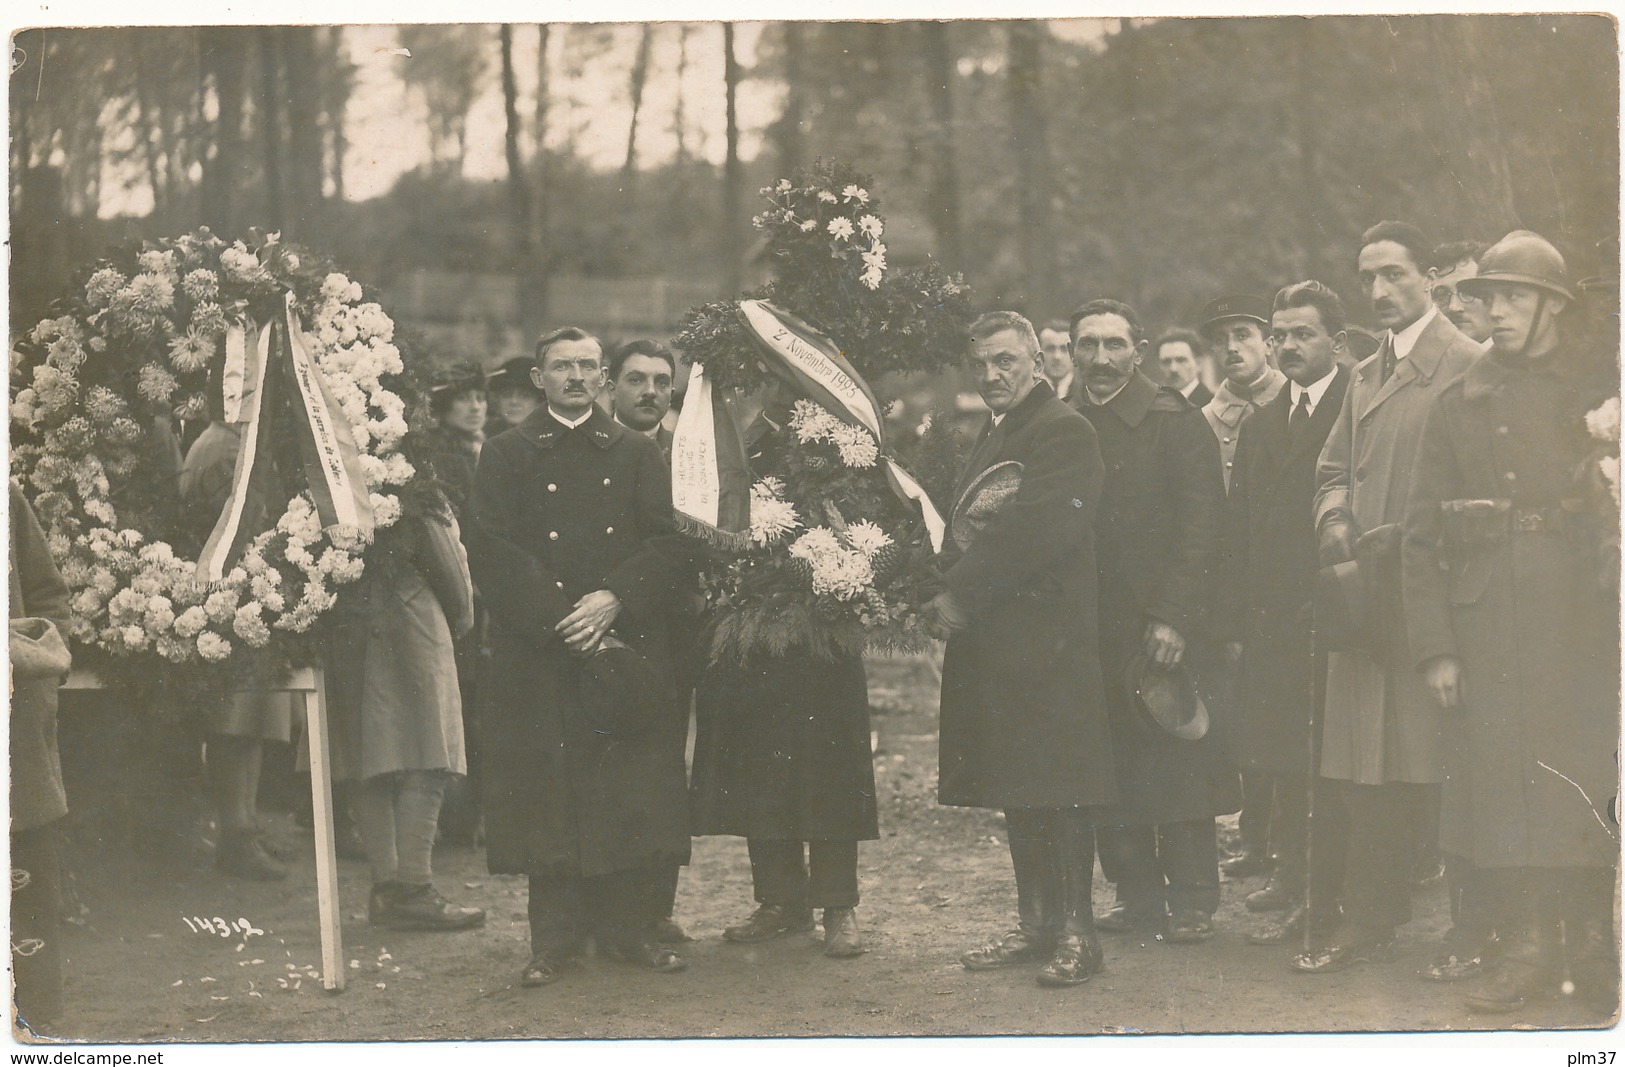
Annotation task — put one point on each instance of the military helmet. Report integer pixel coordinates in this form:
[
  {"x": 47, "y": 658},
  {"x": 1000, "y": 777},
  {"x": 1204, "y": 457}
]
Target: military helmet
[{"x": 1522, "y": 257}]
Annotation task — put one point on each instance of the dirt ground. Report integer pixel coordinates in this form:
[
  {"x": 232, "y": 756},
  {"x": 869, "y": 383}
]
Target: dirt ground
[{"x": 936, "y": 883}]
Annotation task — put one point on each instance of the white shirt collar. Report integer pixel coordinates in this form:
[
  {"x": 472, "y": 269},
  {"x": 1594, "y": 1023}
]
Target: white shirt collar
[
  {"x": 1405, "y": 339},
  {"x": 1091, "y": 399},
  {"x": 566, "y": 421},
  {"x": 999, "y": 417},
  {"x": 652, "y": 433},
  {"x": 1063, "y": 388},
  {"x": 1316, "y": 390},
  {"x": 1190, "y": 387}
]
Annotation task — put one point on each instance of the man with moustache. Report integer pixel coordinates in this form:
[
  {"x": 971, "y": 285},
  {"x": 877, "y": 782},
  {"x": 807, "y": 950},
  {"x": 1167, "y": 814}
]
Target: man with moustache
[
  {"x": 640, "y": 377},
  {"x": 1453, "y": 263},
  {"x": 578, "y": 560},
  {"x": 1179, "y": 352},
  {"x": 1382, "y": 745},
  {"x": 1156, "y": 549},
  {"x": 1237, "y": 327},
  {"x": 1269, "y": 563},
  {"x": 1023, "y": 716},
  {"x": 1057, "y": 356},
  {"x": 1511, "y": 563}
]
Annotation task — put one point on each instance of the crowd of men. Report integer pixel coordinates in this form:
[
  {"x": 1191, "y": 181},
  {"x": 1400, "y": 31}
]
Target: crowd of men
[
  {"x": 1362, "y": 591},
  {"x": 1389, "y": 588}
]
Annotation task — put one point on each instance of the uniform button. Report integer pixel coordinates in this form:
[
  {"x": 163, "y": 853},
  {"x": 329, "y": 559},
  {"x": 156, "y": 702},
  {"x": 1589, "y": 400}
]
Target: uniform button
[
  {"x": 1227, "y": 440},
  {"x": 552, "y": 535},
  {"x": 1227, "y": 463},
  {"x": 559, "y": 584},
  {"x": 606, "y": 481},
  {"x": 551, "y": 488},
  {"x": 609, "y": 529}
]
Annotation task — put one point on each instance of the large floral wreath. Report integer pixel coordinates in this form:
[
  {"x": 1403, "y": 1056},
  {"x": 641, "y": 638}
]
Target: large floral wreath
[
  {"x": 97, "y": 393},
  {"x": 838, "y": 552}
]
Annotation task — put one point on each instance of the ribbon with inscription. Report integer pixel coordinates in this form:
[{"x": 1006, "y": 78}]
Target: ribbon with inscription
[{"x": 261, "y": 379}]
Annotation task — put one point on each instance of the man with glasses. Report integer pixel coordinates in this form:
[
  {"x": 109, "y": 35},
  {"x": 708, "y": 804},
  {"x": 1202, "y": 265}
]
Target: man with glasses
[{"x": 1453, "y": 263}]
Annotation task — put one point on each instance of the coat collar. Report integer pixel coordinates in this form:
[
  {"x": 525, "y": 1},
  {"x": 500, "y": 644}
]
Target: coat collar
[
  {"x": 1130, "y": 404},
  {"x": 543, "y": 430},
  {"x": 1420, "y": 365},
  {"x": 1230, "y": 409}
]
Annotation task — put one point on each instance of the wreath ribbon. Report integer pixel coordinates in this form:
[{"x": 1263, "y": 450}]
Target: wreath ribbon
[{"x": 274, "y": 373}]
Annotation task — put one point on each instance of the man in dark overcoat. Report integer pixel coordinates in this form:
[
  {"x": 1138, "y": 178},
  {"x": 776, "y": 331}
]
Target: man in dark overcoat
[
  {"x": 1156, "y": 551},
  {"x": 1511, "y": 567},
  {"x": 1268, "y": 565},
  {"x": 576, "y": 555},
  {"x": 1023, "y": 717},
  {"x": 1382, "y": 748}
]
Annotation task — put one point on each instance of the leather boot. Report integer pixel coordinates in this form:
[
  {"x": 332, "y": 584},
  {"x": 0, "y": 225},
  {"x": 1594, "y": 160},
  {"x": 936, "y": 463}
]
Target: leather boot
[
  {"x": 1529, "y": 969},
  {"x": 1077, "y": 956},
  {"x": 1036, "y": 916}
]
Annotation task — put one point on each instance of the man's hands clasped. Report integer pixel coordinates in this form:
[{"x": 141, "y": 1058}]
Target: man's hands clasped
[{"x": 585, "y": 627}]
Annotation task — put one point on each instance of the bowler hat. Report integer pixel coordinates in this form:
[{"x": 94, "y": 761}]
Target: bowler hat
[
  {"x": 457, "y": 377},
  {"x": 1234, "y": 307},
  {"x": 1166, "y": 698},
  {"x": 621, "y": 692},
  {"x": 513, "y": 374}
]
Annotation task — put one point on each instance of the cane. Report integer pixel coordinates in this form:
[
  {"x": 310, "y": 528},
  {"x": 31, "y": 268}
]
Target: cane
[{"x": 1315, "y": 697}]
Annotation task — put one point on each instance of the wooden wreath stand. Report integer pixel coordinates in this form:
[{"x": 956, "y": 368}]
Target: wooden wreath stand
[{"x": 309, "y": 683}]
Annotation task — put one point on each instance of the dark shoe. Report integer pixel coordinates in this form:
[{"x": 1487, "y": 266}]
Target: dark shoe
[
  {"x": 770, "y": 921},
  {"x": 661, "y": 959},
  {"x": 1074, "y": 963},
  {"x": 668, "y": 932},
  {"x": 1513, "y": 984},
  {"x": 1190, "y": 928},
  {"x": 1013, "y": 948},
  {"x": 1459, "y": 958},
  {"x": 1245, "y": 865},
  {"x": 842, "y": 939},
  {"x": 1286, "y": 927},
  {"x": 243, "y": 855},
  {"x": 1123, "y": 919},
  {"x": 541, "y": 970},
  {"x": 418, "y": 907},
  {"x": 1275, "y": 896},
  {"x": 1341, "y": 955}
]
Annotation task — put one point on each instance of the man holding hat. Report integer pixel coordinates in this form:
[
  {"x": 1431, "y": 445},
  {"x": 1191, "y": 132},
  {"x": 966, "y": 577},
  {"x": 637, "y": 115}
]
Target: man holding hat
[
  {"x": 1238, "y": 328},
  {"x": 1382, "y": 746},
  {"x": 1023, "y": 717},
  {"x": 1511, "y": 565},
  {"x": 1156, "y": 550}
]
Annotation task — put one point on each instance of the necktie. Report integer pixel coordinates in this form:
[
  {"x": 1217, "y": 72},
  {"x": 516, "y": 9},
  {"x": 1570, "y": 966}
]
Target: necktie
[
  {"x": 1390, "y": 359},
  {"x": 1300, "y": 415}
]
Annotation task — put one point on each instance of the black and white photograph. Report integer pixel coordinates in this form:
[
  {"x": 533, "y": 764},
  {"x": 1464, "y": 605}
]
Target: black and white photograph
[{"x": 744, "y": 523}]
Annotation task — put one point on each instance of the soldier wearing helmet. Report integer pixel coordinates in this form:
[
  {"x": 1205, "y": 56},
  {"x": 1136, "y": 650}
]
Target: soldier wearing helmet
[{"x": 1511, "y": 563}]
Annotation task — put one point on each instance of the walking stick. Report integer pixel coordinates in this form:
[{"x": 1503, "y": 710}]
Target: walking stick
[{"x": 1315, "y": 697}]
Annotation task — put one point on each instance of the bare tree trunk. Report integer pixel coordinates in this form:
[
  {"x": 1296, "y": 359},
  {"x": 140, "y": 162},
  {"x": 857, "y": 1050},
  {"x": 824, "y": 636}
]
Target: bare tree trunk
[
  {"x": 540, "y": 253},
  {"x": 680, "y": 110},
  {"x": 270, "y": 122},
  {"x": 640, "y": 75},
  {"x": 1029, "y": 143},
  {"x": 336, "y": 101},
  {"x": 1477, "y": 157},
  {"x": 732, "y": 171},
  {"x": 791, "y": 124},
  {"x": 225, "y": 53},
  {"x": 304, "y": 132},
  {"x": 518, "y": 191},
  {"x": 944, "y": 196}
]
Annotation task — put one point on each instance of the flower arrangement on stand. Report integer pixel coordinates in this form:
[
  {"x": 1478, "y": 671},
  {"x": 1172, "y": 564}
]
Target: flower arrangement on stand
[
  {"x": 839, "y": 554},
  {"x": 97, "y": 391}
]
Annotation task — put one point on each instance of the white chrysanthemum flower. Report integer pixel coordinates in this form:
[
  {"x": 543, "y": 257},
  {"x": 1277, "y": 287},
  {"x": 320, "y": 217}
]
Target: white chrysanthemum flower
[
  {"x": 783, "y": 185},
  {"x": 65, "y": 352},
  {"x": 827, "y": 197},
  {"x": 160, "y": 614},
  {"x": 867, "y": 537},
  {"x": 852, "y": 192},
  {"x": 768, "y": 487},
  {"x": 191, "y": 622},
  {"x": 200, "y": 286},
  {"x": 876, "y": 256},
  {"x": 871, "y": 225},
  {"x": 157, "y": 262},
  {"x": 809, "y": 225},
  {"x": 190, "y": 351},
  {"x": 25, "y": 408},
  {"x": 398, "y": 470},
  {"x": 149, "y": 294},
  {"x": 1603, "y": 423},
  {"x": 135, "y": 637},
  {"x": 843, "y": 574},
  {"x": 386, "y": 510},
  {"x": 238, "y": 262},
  {"x": 248, "y": 625},
  {"x": 86, "y": 602},
  {"x": 212, "y": 647},
  {"x": 771, "y": 520},
  {"x": 156, "y": 383},
  {"x": 102, "y": 286},
  {"x": 103, "y": 405},
  {"x": 815, "y": 543},
  {"x": 871, "y": 277},
  {"x": 857, "y": 448},
  {"x": 841, "y": 227},
  {"x": 221, "y": 605},
  {"x": 209, "y": 319},
  {"x": 55, "y": 389}
]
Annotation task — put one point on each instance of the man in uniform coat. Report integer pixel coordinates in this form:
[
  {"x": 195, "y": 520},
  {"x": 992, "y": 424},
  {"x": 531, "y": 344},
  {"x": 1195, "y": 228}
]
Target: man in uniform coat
[
  {"x": 1238, "y": 327},
  {"x": 1268, "y": 566},
  {"x": 1382, "y": 747},
  {"x": 577, "y": 557},
  {"x": 1511, "y": 564},
  {"x": 1023, "y": 715},
  {"x": 1157, "y": 547}
]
